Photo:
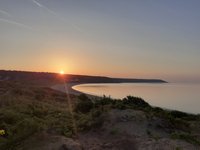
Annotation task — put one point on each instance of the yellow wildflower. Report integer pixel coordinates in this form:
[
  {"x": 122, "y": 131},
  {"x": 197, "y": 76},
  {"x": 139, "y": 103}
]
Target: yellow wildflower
[{"x": 2, "y": 132}]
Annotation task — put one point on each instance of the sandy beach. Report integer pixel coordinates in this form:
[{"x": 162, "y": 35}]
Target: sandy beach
[{"x": 61, "y": 87}]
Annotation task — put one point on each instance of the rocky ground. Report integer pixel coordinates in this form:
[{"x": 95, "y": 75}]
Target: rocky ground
[{"x": 122, "y": 130}]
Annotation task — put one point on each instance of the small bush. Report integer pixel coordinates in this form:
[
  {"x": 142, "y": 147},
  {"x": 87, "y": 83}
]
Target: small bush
[
  {"x": 20, "y": 132},
  {"x": 84, "y": 105},
  {"x": 9, "y": 116},
  {"x": 93, "y": 119},
  {"x": 135, "y": 101},
  {"x": 120, "y": 105},
  {"x": 157, "y": 110},
  {"x": 183, "y": 115},
  {"x": 83, "y": 97},
  {"x": 104, "y": 101},
  {"x": 96, "y": 113},
  {"x": 114, "y": 131},
  {"x": 186, "y": 137}
]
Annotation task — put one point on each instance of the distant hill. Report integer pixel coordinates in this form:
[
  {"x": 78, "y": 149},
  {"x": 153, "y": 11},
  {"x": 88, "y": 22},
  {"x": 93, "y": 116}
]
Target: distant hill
[{"x": 49, "y": 78}]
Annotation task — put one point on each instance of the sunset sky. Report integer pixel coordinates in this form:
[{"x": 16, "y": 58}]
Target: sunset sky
[{"x": 116, "y": 38}]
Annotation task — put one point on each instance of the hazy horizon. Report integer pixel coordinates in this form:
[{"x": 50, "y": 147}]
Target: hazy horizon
[{"x": 126, "y": 39}]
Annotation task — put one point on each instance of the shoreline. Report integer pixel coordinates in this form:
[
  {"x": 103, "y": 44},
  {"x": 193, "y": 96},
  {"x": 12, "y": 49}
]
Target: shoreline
[{"x": 61, "y": 88}]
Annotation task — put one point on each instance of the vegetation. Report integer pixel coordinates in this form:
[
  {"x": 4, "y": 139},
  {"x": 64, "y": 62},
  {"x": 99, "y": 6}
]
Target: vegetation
[
  {"x": 84, "y": 104},
  {"x": 23, "y": 114},
  {"x": 28, "y": 110},
  {"x": 186, "y": 137}
]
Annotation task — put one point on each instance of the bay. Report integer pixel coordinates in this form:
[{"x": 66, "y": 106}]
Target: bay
[{"x": 175, "y": 96}]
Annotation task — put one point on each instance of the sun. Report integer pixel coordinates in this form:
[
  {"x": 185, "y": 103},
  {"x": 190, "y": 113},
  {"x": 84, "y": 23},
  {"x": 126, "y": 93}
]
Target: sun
[{"x": 62, "y": 72}]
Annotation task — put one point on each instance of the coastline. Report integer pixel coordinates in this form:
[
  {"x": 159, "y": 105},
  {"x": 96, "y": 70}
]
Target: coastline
[
  {"x": 156, "y": 95},
  {"x": 61, "y": 88}
]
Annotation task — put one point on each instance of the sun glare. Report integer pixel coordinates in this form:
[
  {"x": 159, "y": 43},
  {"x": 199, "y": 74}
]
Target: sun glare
[{"x": 62, "y": 72}]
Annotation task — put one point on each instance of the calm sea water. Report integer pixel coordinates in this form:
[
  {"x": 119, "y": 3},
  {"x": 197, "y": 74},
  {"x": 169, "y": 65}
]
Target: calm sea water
[{"x": 183, "y": 97}]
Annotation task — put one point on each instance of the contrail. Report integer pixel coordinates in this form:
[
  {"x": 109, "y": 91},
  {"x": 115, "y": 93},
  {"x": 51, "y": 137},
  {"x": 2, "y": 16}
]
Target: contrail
[
  {"x": 37, "y": 3},
  {"x": 57, "y": 15},
  {"x": 42, "y": 6},
  {"x": 15, "y": 23},
  {"x": 5, "y": 13}
]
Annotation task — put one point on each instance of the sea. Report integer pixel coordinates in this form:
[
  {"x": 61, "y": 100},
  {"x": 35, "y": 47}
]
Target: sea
[{"x": 174, "y": 96}]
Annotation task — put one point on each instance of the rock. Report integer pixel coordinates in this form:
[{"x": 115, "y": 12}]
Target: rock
[
  {"x": 107, "y": 145},
  {"x": 70, "y": 144}
]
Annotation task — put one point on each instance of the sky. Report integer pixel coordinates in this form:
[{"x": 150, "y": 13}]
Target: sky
[{"x": 129, "y": 38}]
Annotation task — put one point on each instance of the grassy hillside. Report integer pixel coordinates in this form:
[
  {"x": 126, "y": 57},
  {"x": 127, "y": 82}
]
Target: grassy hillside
[
  {"x": 26, "y": 110},
  {"x": 35, "y": 117}
]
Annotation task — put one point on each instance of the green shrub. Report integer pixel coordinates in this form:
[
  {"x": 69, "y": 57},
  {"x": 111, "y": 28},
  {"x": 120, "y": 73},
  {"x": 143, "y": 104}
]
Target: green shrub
[
  {"x": 84, "y": 122},
  {"x": 135, "y": 101},
  {"x": 91, "y": 120},
  {"x": 114, "y": 131},
  {"x": 83, "y": 97},
  {"x": 84, "y": 105},
  {"x": 9, "y": 116},
  {"x": 186, "y": 137},
  {"x": 120, "y": 105},
  {"x": 183, "y": 115},
  {"x": 157, "y": 110},
  {"x": 20, "y": 132},
  {"x": 67, "y": 132},
  {"x": 96, "y": 113},
  {"x": 178, "y": 148},
  {"x": 104, "y": 101}
]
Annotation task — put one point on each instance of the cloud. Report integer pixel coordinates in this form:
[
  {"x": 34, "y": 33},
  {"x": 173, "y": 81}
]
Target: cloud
[
  {"x": 15, "y": 23},
  {"x": 5, "y": 13}
]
